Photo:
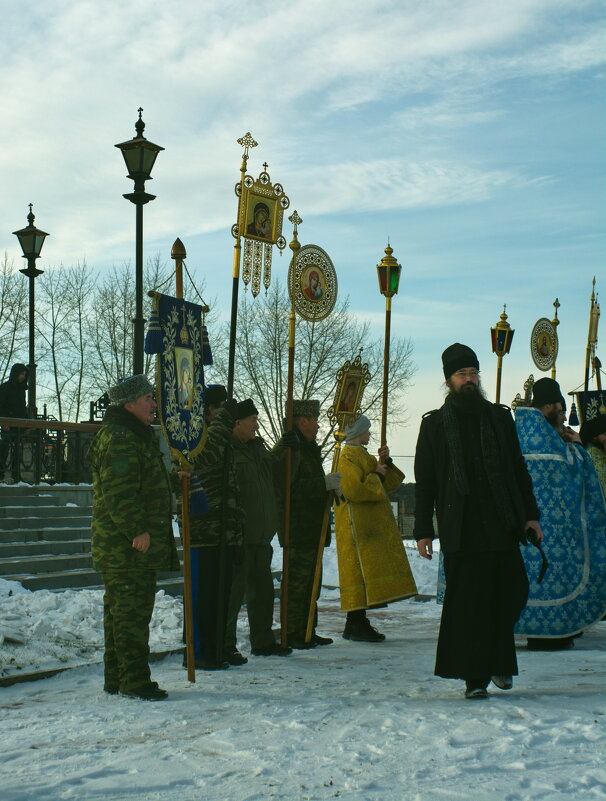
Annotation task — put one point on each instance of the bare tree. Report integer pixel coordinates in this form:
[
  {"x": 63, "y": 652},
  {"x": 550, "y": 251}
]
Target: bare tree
[
  {"x": 321, "y": 348},
  {"x": 13, "y": 315}
]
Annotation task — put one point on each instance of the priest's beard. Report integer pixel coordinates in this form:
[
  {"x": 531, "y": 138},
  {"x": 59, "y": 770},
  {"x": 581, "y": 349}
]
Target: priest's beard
[{"x": 467, "y": 398}]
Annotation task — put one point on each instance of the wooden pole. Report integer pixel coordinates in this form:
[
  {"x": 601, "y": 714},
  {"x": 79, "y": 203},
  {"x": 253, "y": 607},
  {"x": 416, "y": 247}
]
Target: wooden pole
[{"x": 294, "y": 246}]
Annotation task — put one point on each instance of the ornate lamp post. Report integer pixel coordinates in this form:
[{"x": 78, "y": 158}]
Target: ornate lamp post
[
  {"x": 502, "y": 337},
  {"x": 31, "y": 240},
  {"x": 139, "y": 155},
  {"x": 388, "y": 272}
]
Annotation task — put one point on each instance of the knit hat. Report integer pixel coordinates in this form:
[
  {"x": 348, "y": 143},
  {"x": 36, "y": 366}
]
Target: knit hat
[
  {"x": 214, "y": 394},
  {"x": 361, "y": 426},
  {"x": 306, "y": 408},
  {"x": 129, "y": 390},
  {"x": 458, "y": 357},
  {"x": 545, "y": 391},
  {"x": 591, "y": 428},
  {"x": 244, "y": 409}
]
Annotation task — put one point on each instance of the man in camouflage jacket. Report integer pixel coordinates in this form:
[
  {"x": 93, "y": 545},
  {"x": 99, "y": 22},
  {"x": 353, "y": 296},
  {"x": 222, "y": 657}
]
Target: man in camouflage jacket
[
  {"x": 132, "y": 534},
  {"x": 216, "y": 538}
]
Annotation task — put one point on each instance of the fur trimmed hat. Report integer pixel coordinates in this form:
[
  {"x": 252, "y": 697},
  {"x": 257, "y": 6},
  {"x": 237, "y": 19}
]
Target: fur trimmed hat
[
  {"x": 214, "y": 395},
  {"x": 458, "y": 357},
  {"x": 244, "y": 409},
  {"x": 129, "y": 390},
  {"x": 306, "y": 408},
  {"x": 592, "y": 428}
]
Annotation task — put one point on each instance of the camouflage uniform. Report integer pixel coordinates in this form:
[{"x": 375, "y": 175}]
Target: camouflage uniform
[
  {"x": 211, "y": 574},
  {"x": 307, "y": 501},
  {"x": 132, "y": 495}
]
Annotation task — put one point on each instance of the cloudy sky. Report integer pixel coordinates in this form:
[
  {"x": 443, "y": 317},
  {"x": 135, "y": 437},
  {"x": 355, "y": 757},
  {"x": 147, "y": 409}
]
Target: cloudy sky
[{"x": 469, "y": 132}]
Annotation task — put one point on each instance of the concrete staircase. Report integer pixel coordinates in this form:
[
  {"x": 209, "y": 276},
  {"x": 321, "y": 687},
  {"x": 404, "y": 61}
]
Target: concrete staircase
[{"x": 45, "y": 538}]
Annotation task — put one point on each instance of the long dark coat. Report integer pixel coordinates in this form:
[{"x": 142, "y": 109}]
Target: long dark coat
[{"x": 435, "y": 487}]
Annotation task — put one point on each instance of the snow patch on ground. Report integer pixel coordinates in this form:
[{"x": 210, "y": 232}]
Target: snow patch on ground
[{"x": 348, "y": 721}]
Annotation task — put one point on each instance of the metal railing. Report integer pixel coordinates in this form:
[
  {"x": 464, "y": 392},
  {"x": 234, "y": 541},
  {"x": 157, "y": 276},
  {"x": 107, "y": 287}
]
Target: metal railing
[{"x": 43, "y": 450}]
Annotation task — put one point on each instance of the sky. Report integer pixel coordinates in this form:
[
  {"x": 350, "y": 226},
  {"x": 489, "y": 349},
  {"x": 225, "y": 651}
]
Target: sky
[{"x": 468, "y": 132}]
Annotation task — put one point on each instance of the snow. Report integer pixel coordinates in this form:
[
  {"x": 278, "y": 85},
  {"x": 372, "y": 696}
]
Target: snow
[{"x": 349, "y": 721}]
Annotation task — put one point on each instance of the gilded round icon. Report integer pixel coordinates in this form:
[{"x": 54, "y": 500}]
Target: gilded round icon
[
  {"x": 544, "y": 344},
  {"x": 315, "y": 283}
]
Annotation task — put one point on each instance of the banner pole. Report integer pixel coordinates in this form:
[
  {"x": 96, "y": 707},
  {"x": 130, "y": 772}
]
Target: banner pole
[
  {"x": 294, "y": 246},
  {"x": 178, "y": 253}
]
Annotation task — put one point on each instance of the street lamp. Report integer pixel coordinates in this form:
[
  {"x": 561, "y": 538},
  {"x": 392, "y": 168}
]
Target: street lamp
[
  {"x": 139, "y": 156},
  {"x": 502, "y": 337},
  {"x": 31, "y": 240},
  {"x": 388, "y": 272}
]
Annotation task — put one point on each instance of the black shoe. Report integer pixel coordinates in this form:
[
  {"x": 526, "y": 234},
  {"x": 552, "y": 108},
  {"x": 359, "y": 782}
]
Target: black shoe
[
  {"x": 315, "y": 638},
  {"x": 502, "y": 682},
  {"x": 476, "y": 688},
  {"x": 550, "y": 643},
  {"x": 146, "y": 692},
  {"x": 301, "y": 645},
  {"x": 361, "y": 631},
  {"x": 235, "y": 658},
  {"x": 210, "y": 664},
  {"x": 272, "y": 650}
]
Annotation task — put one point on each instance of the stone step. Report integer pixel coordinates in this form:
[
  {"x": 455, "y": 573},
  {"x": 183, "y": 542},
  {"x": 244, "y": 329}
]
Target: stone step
[
  {"x": 24, "y": 535},
  {"x": 25, "y": 502},
  {"x": 43, "y": 512},
  {"x": 40, "y": 547},
  {"x": 77, "y": 520},
  {"x": 9, "y": 567},
  {"x": 85, "y": 579}
]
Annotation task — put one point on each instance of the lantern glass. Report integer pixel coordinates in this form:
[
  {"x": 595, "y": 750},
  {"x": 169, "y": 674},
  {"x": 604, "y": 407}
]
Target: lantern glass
[
  {"x": 31, "y": 240},
  {"x": 394, "y": 278}
]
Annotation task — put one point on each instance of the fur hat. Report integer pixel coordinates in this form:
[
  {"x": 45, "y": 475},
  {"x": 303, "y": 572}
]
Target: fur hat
[
  {"x": 214, "y": 394},
  {"x": 244, "y": 409},
  {"x": 591, "y": 428},
  {"x": 129, "y": 390},
  {"x": 458, "y": 357},
  {"x": 306, "y": 408},
  {"x": 545, "y": 391}
]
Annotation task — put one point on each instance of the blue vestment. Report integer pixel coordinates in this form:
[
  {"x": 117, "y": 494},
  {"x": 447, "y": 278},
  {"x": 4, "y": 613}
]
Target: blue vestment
[{"x": 572, "y": 594}]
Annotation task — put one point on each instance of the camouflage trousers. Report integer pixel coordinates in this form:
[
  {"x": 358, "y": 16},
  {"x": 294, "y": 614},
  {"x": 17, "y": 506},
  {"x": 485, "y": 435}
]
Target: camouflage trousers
[
  {"x": 301, "y": 567},
  {"x": 128, "y": 604}
]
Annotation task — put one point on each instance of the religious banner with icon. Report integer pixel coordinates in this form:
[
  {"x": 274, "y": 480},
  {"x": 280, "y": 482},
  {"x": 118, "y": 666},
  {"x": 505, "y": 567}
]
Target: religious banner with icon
[
  {"x": 315, "y": 283},
  {"x": 177, "y": 334},
  {"x": 544, "y": 344},
  {"x": 261, "y": 207},
  {"x": 352, "y": 379}
]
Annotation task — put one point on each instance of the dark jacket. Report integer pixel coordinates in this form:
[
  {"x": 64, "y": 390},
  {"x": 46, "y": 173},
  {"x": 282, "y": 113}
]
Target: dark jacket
[
  {"x": 435, "y": 487},
  {"x": 307, "y": 496},
  {"x": 12, "y": 393},
  {"x": 254, "y": 466},
  {"x": 131, "y": 496},
  {"x": 214, "y": 465}
]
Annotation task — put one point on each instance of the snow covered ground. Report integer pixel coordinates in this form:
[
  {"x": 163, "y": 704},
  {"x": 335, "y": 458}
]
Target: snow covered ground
[{"x": 349, "y": 721}]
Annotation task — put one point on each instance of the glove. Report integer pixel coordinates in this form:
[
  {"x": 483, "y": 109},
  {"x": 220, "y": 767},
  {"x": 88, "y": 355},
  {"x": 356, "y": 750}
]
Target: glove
[
  {"x": 289, "y": 440},
  {"x": 332, "y": 481}
]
